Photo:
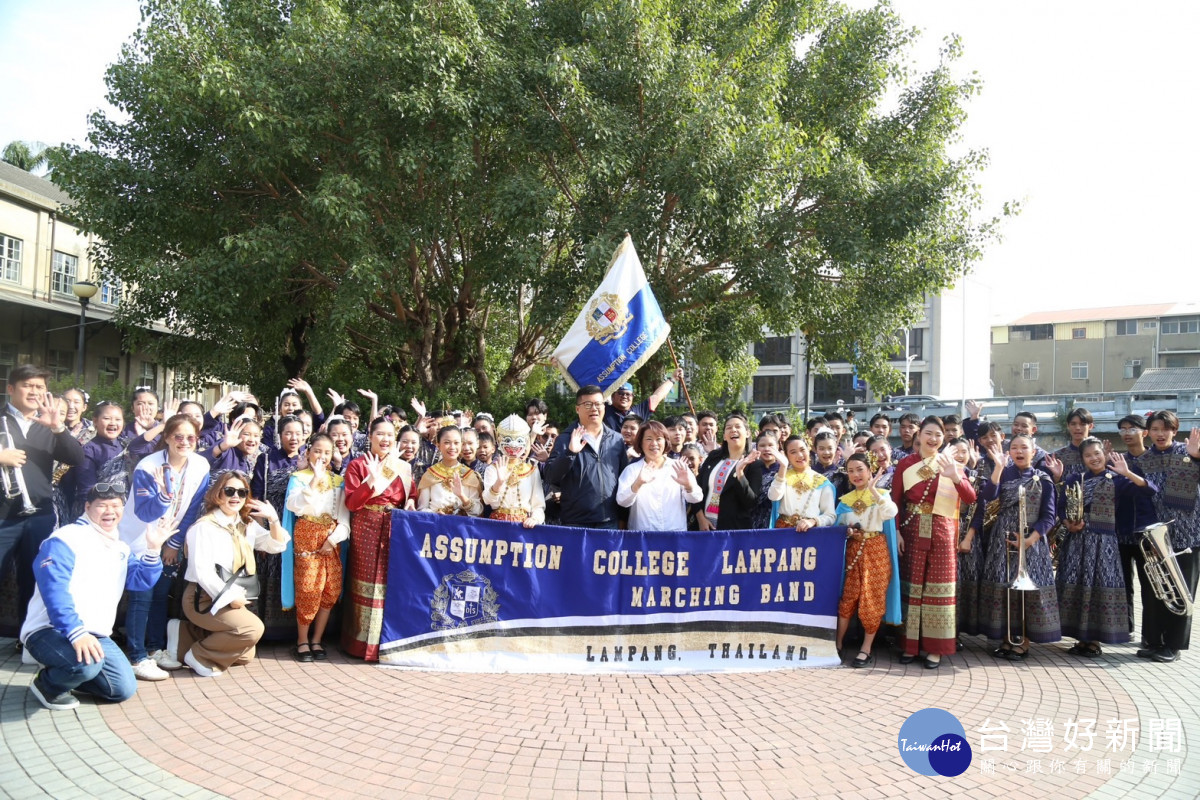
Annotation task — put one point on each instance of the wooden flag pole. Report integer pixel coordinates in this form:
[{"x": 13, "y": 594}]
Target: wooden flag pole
[{"x": 682, "y": 382}]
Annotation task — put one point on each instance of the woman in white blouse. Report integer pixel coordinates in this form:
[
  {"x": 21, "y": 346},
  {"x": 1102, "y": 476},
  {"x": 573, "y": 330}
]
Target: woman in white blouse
[
  {"x": 221, "y": 630},
  {"x": 657, "y": 489}
]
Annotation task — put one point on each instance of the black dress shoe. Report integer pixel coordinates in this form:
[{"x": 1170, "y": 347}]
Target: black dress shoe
[
  {"x": 1164, "y": 655},
  {"x": 932, "y": 664},
  {"x": 958, "y": 645},
  {"x": 1002, "y": 652},
  {"x": 1146, "y": 652},
  {"x": 907, "y": 659}
]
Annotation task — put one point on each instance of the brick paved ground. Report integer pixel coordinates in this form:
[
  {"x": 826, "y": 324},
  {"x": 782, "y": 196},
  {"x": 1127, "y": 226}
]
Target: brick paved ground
[{"x": 343, "y": 729}]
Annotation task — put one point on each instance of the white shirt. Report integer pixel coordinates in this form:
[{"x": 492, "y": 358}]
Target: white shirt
[
  {"x": 209, "y": 545},
  {"x": 22, "y": 423},
  {"x": 661, "y": 503},
  {"x": 304, "y": 501}
]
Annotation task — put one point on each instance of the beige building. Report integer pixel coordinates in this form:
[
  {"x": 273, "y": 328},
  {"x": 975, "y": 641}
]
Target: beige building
[
  {"x": 42, "y": 257},
  {"x": 1092, "y": 350}
]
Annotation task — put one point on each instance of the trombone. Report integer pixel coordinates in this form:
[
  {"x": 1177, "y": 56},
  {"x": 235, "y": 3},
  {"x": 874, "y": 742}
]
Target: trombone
[
  {"x": 13, "y": 479},
  {"x": 1021, "y": 580}
]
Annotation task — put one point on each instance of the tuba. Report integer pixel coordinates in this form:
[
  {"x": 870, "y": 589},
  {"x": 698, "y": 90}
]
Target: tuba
[{"x": 1162, "y": 570}]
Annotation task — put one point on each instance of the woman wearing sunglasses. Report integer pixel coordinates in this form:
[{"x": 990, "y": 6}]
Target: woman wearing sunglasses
[
  {"x": 167, "y": 484},
  {"x": 220, "y": 629}
]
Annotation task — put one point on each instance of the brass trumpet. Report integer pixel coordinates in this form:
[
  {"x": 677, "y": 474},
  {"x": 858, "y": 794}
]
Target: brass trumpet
[
  {"x": 1021, "y": 580},
  {"x": 13, "y": 479}
]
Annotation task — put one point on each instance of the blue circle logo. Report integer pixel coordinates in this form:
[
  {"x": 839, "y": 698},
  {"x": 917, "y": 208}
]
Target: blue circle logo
[{"x": 933, "y": 742}]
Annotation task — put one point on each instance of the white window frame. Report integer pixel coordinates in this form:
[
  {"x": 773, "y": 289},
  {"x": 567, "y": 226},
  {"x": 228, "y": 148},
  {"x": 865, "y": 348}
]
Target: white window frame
[
  {"x": 64, "y": 273},
  {"x": 110, "y": 292},
  {"x": 1079, "y": 370},
  {"x": 1031, "y": 370},
  {"x": 1130, "y": 366},
  {"x": 11, "y": 251}
]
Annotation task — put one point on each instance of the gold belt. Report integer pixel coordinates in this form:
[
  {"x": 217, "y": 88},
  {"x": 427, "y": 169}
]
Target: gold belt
[
  {"x": 920, "y": 508},
  {"x": 791, "y": 520},
  {"x": 324, "y": 520},
  {"x": 511, "y": 512},
  {"x": 867, "y": 535},
  {"x": 382, "y": 508}
]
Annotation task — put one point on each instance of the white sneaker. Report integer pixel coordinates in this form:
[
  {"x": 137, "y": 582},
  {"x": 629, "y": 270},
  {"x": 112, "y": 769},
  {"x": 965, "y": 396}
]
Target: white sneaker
[
  {"x": 198, "y": 668},
  {"x": 172, "y": 643},
  {"x": 164, "y": 660},
  {"x": 147, "y": 670}
]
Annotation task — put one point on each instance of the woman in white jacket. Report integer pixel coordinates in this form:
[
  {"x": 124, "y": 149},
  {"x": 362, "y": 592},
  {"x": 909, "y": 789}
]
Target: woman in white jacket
[{"x": 221, "y": 630}]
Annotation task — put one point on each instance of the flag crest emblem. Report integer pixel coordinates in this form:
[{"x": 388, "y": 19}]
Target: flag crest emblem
[{"x": 607, "y": 318}]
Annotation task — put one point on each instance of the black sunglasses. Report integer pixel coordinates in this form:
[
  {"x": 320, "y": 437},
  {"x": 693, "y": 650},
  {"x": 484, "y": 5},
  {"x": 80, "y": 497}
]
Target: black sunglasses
[{"x": 229, "y": 491}]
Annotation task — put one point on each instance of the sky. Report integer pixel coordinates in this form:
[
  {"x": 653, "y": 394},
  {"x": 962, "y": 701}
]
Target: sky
[{"x": 1084, "y": 113}]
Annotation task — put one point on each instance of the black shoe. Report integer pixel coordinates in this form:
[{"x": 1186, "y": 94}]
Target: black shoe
[
  {"x": 932, "y": 664},
  {"x": 318, "y": 651},
  {"x": 1164, "y": 655},
  {"x": 907, "y": 659},
  {"x": 1002, "y": 652},
  {"x": 1146, "y": 652},
  {"x": 304, "y": 656},
  {"x": 958, "y": 645},
  {"x": 862, "y": 660}
]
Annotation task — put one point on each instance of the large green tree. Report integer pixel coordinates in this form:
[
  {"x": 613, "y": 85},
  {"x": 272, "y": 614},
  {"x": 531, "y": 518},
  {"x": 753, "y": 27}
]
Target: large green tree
[{"x": 432, "y": 188}]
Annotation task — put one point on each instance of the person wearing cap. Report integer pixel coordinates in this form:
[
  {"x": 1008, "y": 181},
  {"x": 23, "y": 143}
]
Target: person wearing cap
[
  {"x": 622, "y": 403},
  {"x": 81, "y": 570}
]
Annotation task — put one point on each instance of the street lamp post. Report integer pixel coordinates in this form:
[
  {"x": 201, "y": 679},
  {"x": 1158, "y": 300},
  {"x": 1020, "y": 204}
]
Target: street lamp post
[{"x": 84, "y": 291}]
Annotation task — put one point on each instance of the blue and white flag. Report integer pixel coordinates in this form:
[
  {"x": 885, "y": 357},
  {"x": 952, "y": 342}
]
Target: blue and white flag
[{"x": 620, "y": 327}]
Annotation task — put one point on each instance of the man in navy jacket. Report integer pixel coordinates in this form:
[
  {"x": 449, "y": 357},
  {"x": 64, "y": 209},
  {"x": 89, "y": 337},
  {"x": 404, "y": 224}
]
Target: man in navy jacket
[{"x": 587, "y": 460}]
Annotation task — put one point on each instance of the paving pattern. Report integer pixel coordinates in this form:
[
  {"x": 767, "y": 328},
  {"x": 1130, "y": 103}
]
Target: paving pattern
[{"x": 278, "y": 728}]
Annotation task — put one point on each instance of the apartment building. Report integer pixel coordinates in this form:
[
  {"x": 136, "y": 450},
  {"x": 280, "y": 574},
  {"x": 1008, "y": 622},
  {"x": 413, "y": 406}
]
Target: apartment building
[{"x": 1079, "y": 351}]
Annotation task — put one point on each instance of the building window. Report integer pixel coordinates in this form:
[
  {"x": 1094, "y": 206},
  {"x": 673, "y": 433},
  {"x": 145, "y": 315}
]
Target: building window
[
  {"x": 1127, "y": 327},
  {"x": 61, "y": 364},
  {"x": 108, "y": 369},
  {"x": 772, "y": 390},
  {"x": 828, "y": 389},
  {"x": 66, "y": 267},
  {"x": 1149, "y": 324},
  {"x": 776, "y": 351},
  {"x": 1079, "y": 370},
  {"x": 1030, "y": 333},
  {"x": 10, "y": 259},
  {"x": 1030, "y": 370},
  {"x": 110, "y": 292},
  {"x": 1078, "y": 333},
  {"x": 8, "y": 360},
  {"x": 149, "y": 376},
  {"x": 1175, "y": 362},
  {"x": 1133, "y": 369},
  {"x": 1181, "y": 325}
]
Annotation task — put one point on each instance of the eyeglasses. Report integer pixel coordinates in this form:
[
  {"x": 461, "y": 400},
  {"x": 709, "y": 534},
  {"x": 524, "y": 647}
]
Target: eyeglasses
[
  {"x": 591, "y": 406},
  {"x": 182, "y": 438},
  {"x": 110, "y": 488},
  {"x": 229, "y": 491}
]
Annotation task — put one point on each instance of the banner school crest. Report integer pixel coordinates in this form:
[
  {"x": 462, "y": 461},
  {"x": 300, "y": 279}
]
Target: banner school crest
[
  {"x": 617, "y": 331},
  {"x": 462, "y": 600}
]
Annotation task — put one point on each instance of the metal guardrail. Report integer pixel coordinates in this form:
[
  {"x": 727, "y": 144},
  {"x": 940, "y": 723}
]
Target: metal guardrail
[{"x": 1106, "y": 408}]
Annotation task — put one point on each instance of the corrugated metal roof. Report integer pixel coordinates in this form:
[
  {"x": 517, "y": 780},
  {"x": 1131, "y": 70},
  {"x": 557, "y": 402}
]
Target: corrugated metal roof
[
  {"x": 32, "y": 183},
  {"x": 1096, "y": 314},
  {"x": 1164, "y": 379}
]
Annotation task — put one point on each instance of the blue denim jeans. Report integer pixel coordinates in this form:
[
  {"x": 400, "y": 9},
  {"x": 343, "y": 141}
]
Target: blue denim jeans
[
  {"x": 111, "y": 678},
  {"x": 146, "y": 618}
]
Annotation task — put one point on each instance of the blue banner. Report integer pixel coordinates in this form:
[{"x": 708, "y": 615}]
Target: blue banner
[{"x": 483, "y": 595}]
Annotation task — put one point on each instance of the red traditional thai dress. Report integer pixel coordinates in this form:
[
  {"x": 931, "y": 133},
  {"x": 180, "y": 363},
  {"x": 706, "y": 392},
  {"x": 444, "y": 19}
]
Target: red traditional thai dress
[
  {"x": 370, "y": 536},
  {"x": 929, "y": 510}
]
